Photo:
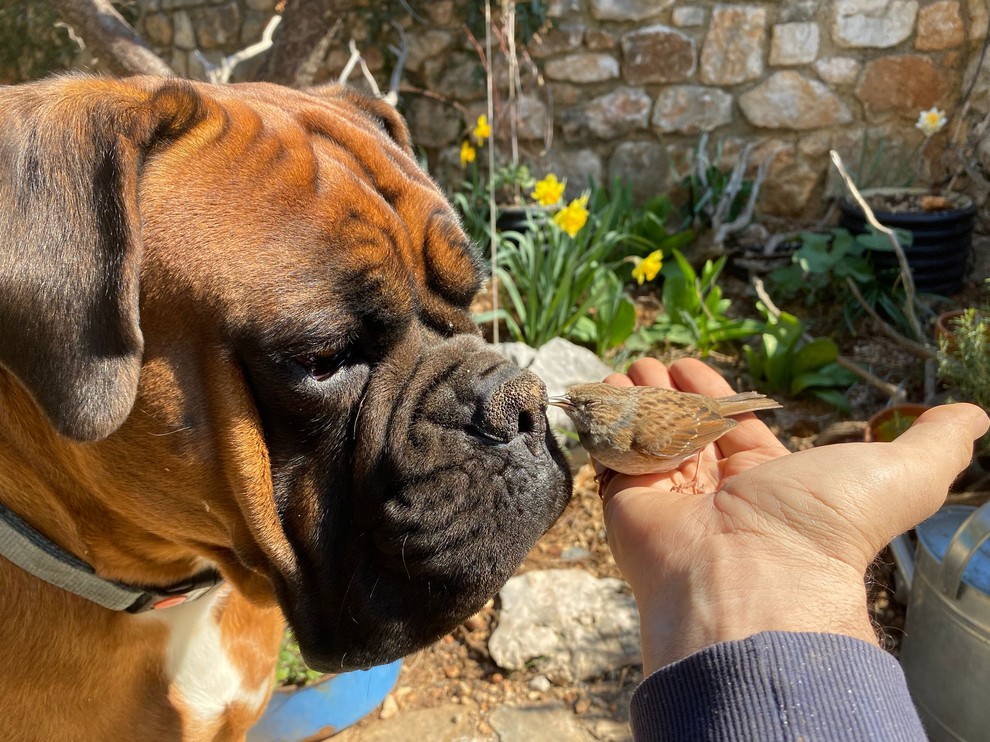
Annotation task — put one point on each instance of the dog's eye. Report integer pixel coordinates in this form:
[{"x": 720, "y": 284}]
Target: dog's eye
[{"x": 323, "y": 364}]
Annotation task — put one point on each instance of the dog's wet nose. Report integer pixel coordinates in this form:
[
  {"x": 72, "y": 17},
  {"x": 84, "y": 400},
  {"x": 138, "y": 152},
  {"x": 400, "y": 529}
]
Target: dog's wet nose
[{"x": 512, "y": 406}]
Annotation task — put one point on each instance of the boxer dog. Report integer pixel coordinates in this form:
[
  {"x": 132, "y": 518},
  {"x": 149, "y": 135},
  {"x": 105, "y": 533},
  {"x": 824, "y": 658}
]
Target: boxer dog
[{"x": 238, "y": 380}]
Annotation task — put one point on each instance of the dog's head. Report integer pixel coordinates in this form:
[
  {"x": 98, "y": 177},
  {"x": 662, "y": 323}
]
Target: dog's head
[{"x": 249, "y": 305}]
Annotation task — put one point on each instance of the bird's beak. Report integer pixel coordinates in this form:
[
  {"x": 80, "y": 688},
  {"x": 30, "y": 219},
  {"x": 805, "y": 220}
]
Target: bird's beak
[{"x": 562, "y": 402}]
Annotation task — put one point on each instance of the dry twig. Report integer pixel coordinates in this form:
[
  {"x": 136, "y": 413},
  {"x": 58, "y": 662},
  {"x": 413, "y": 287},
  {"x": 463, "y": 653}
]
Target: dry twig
[
  {"x": 906, "y": 277},
  {"x": 221, "y": 72}
]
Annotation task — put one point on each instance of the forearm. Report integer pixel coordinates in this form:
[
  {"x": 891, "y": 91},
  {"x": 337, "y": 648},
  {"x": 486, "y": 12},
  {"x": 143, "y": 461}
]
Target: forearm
[{"x": 779, "y": 686}]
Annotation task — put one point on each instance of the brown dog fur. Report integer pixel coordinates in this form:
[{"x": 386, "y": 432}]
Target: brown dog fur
[{"x": 145, "y": 504}]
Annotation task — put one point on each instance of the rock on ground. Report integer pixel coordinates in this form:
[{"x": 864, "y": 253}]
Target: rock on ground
[{"x": 566, "y": 623}]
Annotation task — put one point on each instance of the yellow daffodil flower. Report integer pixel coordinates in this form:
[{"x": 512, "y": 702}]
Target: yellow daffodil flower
[
  {"x": 931, "y": 121},
  {"x": 647, "y": 268},
  {"x": 572, "y": 217},
  {"x": 482, "y": 130},
  {"x": 548, "y": 191},
  {"x": 468, "y": 153}
]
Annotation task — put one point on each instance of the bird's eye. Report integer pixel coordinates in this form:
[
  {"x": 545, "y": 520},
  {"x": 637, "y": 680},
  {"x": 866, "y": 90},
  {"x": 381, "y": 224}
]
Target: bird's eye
[{"x": 323, "y": 364}]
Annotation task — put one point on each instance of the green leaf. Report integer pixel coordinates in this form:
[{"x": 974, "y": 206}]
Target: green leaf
[
  {"x": 623, "y": 323},
  {"x": 584, "y": 331},
  {"x": 754, "y": 361},
  {"x": 813, "y": 355},
  {"x": 835, "y": 398}
]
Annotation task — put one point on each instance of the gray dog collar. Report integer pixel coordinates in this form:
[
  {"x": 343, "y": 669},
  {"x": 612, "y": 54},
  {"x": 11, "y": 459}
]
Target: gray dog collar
[{"x": 32, "y": 552}]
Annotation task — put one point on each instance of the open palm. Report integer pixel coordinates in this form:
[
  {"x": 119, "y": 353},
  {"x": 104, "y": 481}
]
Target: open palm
[{"x": 780, "y": 541}]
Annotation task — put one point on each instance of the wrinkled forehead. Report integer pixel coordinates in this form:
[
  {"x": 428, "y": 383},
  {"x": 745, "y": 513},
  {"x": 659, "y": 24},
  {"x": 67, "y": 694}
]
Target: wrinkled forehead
[{"x": 313, "y": 187}]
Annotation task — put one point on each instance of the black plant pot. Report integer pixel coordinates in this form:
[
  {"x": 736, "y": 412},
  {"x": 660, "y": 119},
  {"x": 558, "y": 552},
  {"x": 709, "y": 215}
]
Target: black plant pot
[
  {"x": 519, "y": 218},
  {"x": 942, "y": 239}
]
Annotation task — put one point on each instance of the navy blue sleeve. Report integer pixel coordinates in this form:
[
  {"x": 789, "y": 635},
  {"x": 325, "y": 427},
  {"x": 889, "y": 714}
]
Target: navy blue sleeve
[{"x": 779, "y": 686}]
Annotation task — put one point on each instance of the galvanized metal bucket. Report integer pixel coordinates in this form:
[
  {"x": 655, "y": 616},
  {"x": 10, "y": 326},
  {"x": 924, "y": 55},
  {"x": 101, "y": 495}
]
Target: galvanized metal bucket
[{"x": 946, "y": 649}]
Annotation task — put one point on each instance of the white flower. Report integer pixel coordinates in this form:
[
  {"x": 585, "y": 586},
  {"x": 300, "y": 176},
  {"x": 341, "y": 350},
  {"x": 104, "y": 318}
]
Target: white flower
[{"x": 931, "y": 121}]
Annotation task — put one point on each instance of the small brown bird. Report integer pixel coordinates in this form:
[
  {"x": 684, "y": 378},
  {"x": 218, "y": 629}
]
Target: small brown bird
[{"x": 646, "y": 429}]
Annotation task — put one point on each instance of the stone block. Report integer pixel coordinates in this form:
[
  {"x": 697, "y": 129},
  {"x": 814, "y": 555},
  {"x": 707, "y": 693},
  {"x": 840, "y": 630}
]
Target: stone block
[
  {"x": 903, "y": 84},
  {"x": 595, "y": 67},
  {"x": 642, "y": 165},
  {"x": 563, "y": 37},
  {"x": 531, "y": 122},
  {"x": 838, "y": 71},
  {"x": 628, "y": 10},
  {"x": 460, "y": 76},
  {"x": 158, "y": 29},
  {"x": 799, "y": 11},
  {"x": 429, "y": 43},
  {"x": 879, "y": 24},
  {"x": 657, "y": 54},
  {"x": 562, "y": 8},
  {"x": 788, "y": 100},
  {"x": 978, "y": 13},
  {"x": 609, "y": 116},
  {"x": 598, "y": 40},
  {"x": 733, "y": 49},
  {"x": 433, "y": 124},
  {"x": 794, "y": 43},
  {"x": 183, "y": 35},
  {"x": 691, "y": 109},
  {"x": 580, "y": 167},
  {"x": 688, "y": 16},
  {"x": 219, "y": 26},
  {"x": 940, "y": 26},
  {"x": 790, "y": 181}
]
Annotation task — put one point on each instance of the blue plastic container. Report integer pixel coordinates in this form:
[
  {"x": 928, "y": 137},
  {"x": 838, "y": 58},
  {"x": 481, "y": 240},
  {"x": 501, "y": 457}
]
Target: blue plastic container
[{"x": 325, "y": 707}]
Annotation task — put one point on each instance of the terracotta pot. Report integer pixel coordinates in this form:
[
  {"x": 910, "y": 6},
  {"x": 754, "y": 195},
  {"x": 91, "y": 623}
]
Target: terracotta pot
[
  {"x": 891, "y": 421},
  {"x": 944, "y": 328}
]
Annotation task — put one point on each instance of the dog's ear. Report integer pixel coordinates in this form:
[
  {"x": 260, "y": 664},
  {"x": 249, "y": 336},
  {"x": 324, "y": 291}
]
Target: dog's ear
[
  {"x": 379, "y": 110},
  {"x": 70, "y": 239}
]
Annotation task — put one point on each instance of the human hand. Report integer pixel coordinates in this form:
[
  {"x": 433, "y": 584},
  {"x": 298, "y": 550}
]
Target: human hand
[{"x": 783, "y": 540}]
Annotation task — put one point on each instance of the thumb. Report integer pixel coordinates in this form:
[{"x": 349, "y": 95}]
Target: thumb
[{"x": 938, "y": 446}]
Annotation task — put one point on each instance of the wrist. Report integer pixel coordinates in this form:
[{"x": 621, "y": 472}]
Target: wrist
[{"x": 714, "y": 604}]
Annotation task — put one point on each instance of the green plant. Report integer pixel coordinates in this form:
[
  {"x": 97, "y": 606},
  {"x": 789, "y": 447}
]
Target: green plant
[
  {"x": 784, "y": 361},
  {"x": 964, "y": 361},
  {"x": 694, "y": 310},
  {"x": 291, "y": 669},
  {"x": 612, "y": 321},
  {"x": 825, "y": 264},
  {"x": 556, "y": 275},
  {"x": 715, "y": 194}
]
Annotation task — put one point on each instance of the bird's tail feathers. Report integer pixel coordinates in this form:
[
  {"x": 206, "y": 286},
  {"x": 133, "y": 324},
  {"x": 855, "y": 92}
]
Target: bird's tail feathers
[{"x": 745, "y": 402}]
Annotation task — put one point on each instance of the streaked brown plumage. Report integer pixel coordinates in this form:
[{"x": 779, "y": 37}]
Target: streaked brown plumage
[{"x": 645, "y": 429}]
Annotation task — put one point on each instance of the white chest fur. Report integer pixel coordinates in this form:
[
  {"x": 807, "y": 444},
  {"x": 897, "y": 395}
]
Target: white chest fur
[{"x": 205, "y": 682}]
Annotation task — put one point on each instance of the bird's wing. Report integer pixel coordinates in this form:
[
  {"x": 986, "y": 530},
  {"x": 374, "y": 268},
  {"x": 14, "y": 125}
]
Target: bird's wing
[{"x": 684, "y": 438}]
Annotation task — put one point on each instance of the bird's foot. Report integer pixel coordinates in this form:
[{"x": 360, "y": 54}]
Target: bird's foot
[{"x": 602, "y": 479}]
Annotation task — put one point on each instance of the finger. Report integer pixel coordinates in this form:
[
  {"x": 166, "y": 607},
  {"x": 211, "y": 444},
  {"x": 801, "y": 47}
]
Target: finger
[
  {"x": 649, "y": 372},
  {"x": 618, "y": 380},
  {"x": 691, "y": 375},
  {"x": 950, "y": 431}
]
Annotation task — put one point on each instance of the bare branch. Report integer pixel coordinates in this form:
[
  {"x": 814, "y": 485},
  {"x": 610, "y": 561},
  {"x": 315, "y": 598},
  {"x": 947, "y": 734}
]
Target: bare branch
[
  {"x": 746, "y": 215},
  {"x": 906, "y": 276},
  {"x": 922, "y": 351},
  {"x": 401, "y": 53},
  {"x": 110, "y": 37},
  {"x": 220, "y": 73}
]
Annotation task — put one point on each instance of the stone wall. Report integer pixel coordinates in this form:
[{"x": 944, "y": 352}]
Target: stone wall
[{"x": 624, "y": 88}]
